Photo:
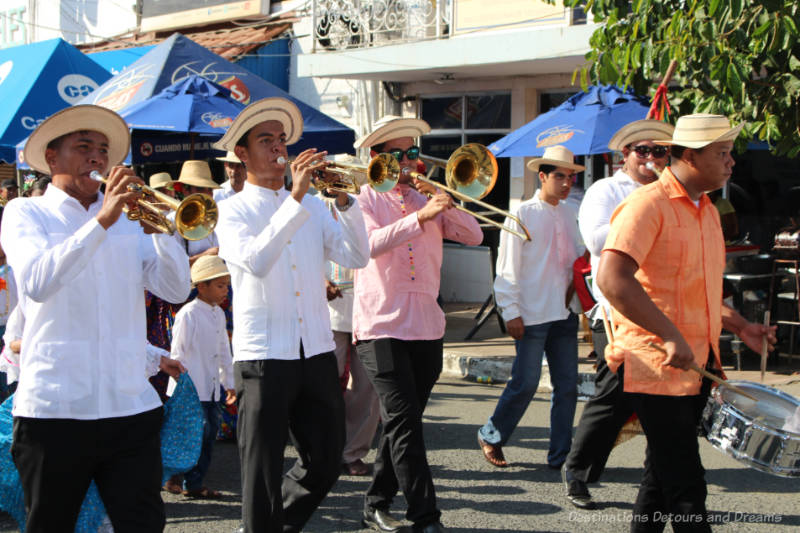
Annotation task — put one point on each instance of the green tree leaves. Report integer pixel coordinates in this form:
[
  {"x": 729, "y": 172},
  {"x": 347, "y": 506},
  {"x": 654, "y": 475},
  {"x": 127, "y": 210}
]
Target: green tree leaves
[{"x": 740, "y": 58}]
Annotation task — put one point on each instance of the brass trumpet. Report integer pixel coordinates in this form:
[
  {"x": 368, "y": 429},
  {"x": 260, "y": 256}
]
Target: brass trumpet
[
  {"x": 654, "y": 169},
  {"x": 195, "y": 216},
  {"x": 470, "y": 173},
  {"x": 336, "y": 176}
]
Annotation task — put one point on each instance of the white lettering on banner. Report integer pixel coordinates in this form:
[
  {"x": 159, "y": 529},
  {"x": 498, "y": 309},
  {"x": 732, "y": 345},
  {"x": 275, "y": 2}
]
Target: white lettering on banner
[
  {"x": 30, "y": 123},
  {"x": 73, "y": 87},
  {"x": 5, "y": 70}
]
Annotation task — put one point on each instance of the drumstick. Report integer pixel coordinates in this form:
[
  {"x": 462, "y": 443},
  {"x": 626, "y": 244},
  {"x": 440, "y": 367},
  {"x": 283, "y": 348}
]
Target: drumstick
[
  {"x": 609, "y": 333},
  {"x": 705, "y": 373},
  {"x": 765, "y": 346}
]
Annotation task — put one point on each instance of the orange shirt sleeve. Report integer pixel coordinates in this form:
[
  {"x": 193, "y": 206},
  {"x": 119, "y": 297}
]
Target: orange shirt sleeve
[{"x": 635, "y": 226}]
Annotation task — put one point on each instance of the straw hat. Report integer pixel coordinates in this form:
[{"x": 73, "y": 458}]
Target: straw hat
[
  {"x": 558, "y": 156},
  {"x": 162, "y": 179},
  {"x": 208, "y": 267},
  {"x": 280, "y": 109},
  {"x": 198, "y": 174},
  {"x": 79, "y": 118},
  {"x": 393, "y": 127},
  {"x": 640, "y": 130},
  {"x": 230, "y": 157},
  {"x": 701, "y": 129}
]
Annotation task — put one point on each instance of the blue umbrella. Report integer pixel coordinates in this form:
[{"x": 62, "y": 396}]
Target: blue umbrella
[
  {"x": 584, "y": 124},
  {"x": 192, "y": 105}
]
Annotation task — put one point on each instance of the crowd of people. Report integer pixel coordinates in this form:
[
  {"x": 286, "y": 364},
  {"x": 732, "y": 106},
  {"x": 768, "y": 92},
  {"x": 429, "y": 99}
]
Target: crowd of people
[{"x": 316, "y": 316}]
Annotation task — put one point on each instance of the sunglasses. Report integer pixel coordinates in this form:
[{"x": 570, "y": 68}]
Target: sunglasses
[
  {"x": 657, "y": 151},
  {"x": 412, "y": 153}
]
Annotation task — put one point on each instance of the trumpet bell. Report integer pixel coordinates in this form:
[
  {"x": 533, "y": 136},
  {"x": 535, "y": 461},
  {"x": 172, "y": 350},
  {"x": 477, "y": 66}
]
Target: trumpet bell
[
  {"x": 196, "y": 217},
  {"x": 472, "y": 171},
  {"x": 383, "y": 172}
]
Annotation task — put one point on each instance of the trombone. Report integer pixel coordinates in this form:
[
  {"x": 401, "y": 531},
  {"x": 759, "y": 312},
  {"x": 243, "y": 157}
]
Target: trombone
[
  {"x": 470, "y": 173},
  {"x": 195, "y": 216}
]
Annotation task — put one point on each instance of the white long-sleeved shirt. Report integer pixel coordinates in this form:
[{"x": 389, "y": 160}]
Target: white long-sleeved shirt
[
  {"x": 276, "y": 250},
  {"x": 9, "y": 360},
  {"x": 83, "y": 345},
  {"x": 594, "y": 218},
  {"x": 200, "y": 342},
  {"x": 224, "y": 192},
  {"x": 533, "y": 276}
]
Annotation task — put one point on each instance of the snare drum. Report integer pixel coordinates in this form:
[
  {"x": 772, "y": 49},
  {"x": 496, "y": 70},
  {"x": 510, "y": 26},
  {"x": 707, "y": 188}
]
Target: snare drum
[{"x": 764, "y": 435}]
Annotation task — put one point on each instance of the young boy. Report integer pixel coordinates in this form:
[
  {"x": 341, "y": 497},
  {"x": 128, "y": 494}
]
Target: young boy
[{"x": 200, "y": 342}]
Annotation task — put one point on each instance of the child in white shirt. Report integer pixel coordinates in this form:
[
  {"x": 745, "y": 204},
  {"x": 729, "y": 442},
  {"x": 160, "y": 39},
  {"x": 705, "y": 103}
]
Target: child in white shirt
[{"x": 200, "y": 342}]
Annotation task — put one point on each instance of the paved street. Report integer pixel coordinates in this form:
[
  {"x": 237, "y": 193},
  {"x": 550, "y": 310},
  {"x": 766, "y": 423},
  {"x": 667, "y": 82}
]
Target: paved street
[{"x": 476, "y": 497}]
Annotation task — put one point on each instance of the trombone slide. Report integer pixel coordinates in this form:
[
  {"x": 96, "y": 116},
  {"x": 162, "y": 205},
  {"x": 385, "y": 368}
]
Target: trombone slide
[{"x": 525, "y": 234}]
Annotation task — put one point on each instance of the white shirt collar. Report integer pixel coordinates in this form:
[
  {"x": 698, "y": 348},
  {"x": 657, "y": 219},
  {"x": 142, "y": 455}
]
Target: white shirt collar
[
  {"x": 264, "y": 192},
  {"x": 55, "y": 197}
]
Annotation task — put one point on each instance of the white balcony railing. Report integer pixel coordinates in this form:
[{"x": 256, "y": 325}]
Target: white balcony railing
[{"x": 349, "y": 24}]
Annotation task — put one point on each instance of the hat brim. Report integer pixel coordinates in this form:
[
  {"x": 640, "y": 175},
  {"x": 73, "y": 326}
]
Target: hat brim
[
  {"x": 198, "y": 182},
  {"x": 78, "y": 118},
  {"x": 211, "y": 275},
  {"x": 227, "y": 159},
  {"x": 640, "y": 130},
  {"x": 404, "y": 127},
  {"x": 534, "y": 164},
  {"x": 279, "y": 109},
  {"x": 729, "y": 135}
]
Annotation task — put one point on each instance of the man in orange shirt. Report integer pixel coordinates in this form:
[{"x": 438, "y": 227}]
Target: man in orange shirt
[{"x": 661, "y": 271}]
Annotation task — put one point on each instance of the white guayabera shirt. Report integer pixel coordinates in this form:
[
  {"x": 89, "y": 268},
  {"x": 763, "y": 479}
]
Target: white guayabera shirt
[
  {"x": 276, "y": 251},
  {"x": 594, "y": 220},
  {"x": 83, "y": 345}
]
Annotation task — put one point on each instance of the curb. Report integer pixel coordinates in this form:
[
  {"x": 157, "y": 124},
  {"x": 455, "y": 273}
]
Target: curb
[{"x": 498, "y": 370}]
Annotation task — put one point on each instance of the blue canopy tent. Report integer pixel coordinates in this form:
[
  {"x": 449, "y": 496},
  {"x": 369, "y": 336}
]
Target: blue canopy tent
[
  {"x": 181, "y": 121},
  {"x": 178, "y": 57},
  {"x": 115, "y": 61},
  {"x": 584, "y": 124},
  {"x": 38, "y": 79}
]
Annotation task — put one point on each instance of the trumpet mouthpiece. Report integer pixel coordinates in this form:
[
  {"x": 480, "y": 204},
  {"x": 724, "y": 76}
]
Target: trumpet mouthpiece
[
  {"x": 651, "y": 166},
  {"x": 282, "y": 160},
  {"x": 96, "y": 176}
]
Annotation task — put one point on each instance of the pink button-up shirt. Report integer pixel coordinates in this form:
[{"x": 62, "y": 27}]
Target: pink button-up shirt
[{"x": 395, "y": 295}]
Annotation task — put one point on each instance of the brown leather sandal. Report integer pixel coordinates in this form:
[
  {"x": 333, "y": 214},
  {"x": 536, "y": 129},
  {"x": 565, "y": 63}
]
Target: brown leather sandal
[
  {"x": 493, "y": 453},
  {"x": 203, "y": 493}
]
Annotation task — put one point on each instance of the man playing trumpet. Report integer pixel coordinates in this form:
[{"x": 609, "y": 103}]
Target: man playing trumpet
[
  {"x": 84, "y": 409},
  {"x": 276, "y": 243},
  {"x": 398, "y": 324}
]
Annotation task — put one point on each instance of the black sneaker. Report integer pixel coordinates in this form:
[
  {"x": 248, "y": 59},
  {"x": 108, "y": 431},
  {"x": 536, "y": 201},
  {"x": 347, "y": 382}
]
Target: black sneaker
[{"x": 577, "y": 491}]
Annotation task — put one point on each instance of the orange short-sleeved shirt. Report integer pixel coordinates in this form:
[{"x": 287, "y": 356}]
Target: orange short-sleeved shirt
[{"x": 681, "y": 256}]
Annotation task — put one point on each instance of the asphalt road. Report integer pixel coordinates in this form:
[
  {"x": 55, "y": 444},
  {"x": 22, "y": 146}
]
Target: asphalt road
[{"x": 528, "y": 496}]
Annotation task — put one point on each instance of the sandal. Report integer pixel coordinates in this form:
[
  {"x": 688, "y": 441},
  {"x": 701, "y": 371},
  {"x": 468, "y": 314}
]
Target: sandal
[
  {"x": 203, "y": 493},
  {"x": 356, "y": 468},
  {"x": 493, "y": 453},
  {"x": 173, "y": 485}
]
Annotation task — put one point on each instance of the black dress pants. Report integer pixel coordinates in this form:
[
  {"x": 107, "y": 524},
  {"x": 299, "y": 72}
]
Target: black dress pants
[
  {"x": 403, "y": 374},
  {"x": 673, "y": 487},
  {"x": 58, "y": 458},
  {"x": 278, "y": 399},
  {"x": 602, "y": 418}
]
